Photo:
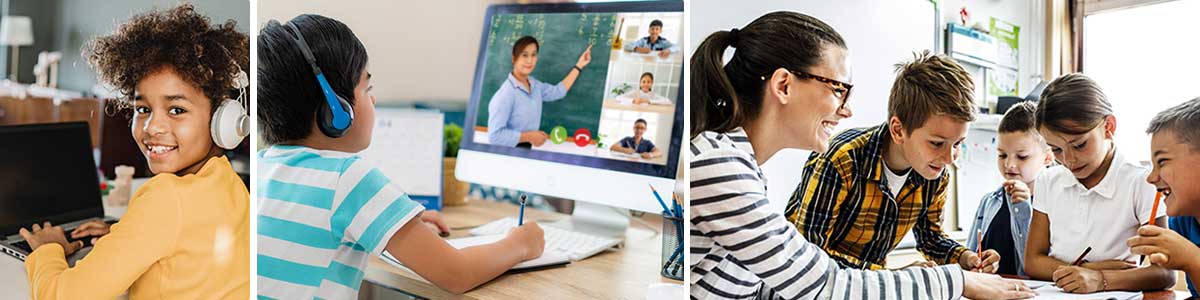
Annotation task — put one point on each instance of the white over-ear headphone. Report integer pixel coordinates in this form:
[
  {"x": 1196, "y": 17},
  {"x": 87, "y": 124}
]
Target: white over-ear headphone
[{"x": 230, "y": 123}]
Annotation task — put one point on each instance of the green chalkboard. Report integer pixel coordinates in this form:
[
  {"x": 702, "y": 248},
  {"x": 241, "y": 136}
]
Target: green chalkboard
[{"x": 562, "y": 37}]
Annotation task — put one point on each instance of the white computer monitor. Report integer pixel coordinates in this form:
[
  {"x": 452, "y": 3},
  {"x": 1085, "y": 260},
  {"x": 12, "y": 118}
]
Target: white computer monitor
[{"x": 598, "y": 111}]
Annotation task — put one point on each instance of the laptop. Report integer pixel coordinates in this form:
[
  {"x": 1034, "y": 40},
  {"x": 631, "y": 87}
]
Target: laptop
[{"x": 47, "y": 173}]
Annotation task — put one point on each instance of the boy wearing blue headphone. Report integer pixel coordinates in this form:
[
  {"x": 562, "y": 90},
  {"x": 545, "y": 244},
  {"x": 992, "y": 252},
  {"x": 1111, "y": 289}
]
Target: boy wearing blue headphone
[
  {"x": 323, "y": 210},
  {"x": 187, "y": 230}
]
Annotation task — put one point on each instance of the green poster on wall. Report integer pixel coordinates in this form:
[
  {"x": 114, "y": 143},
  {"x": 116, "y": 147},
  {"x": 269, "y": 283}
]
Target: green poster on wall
[{"x": 1003, "y": 80}]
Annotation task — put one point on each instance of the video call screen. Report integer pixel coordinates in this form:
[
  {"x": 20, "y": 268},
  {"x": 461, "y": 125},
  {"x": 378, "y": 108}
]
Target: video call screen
[{"x": 621, "y": 106}]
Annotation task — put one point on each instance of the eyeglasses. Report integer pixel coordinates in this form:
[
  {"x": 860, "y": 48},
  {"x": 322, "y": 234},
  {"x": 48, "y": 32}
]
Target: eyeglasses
[{"x": 840, "y": 89}]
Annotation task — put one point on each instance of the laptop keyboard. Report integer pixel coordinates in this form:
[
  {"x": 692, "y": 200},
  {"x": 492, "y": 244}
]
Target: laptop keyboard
[{"x": 23, "y": 245}]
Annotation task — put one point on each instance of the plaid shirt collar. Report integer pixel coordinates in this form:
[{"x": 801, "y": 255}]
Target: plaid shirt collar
[{"x": 871, "y": 156}]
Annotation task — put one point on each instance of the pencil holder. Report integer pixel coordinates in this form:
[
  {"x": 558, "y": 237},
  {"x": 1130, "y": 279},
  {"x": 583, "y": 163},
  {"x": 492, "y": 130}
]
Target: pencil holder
[{"x": 672, "y": 247}]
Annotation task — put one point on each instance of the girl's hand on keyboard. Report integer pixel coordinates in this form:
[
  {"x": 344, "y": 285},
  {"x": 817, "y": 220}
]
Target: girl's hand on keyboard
[
  {"x": 94, "y": 228},
  {"x": 43, "y": 234},
  {"x": 433, "y": 220},
  {"x": 530, "y": 238}
]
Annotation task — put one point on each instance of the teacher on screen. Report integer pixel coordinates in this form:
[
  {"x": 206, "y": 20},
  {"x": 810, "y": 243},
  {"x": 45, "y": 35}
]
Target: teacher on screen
[{"x": 515, "y": 111}]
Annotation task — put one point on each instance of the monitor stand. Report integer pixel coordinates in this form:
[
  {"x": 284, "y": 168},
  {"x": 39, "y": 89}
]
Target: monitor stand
[{"x": 596, "y": 219}]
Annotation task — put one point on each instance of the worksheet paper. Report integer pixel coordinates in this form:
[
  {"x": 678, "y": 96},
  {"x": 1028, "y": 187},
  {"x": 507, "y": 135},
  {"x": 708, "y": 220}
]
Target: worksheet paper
[{"x": 1047, "y": 290}]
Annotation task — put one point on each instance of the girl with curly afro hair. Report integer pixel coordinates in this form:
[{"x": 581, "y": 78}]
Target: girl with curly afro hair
[{"x": 186, "y": 232}]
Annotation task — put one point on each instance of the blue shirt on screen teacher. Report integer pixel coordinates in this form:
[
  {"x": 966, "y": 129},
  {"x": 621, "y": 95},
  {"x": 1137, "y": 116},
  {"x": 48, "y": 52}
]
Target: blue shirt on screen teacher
[{"x": 515, "y": 110}]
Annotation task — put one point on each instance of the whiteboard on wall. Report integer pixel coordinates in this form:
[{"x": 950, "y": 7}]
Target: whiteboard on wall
[{"x": 878, "y": 34}]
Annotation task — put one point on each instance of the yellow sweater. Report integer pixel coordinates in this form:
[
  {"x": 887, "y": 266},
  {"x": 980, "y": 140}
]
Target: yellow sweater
[{"x": 182, "y": 238}]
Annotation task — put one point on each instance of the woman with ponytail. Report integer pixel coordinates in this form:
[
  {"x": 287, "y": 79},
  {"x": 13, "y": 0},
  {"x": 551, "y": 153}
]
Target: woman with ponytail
[{"x": 785, "y": 87}]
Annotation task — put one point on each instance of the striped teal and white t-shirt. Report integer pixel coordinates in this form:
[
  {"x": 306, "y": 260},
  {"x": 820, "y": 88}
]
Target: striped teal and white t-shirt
[{"x": 321, "y": 214}]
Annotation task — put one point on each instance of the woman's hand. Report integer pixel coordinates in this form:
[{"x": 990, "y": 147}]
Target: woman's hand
[
  {"x": 47, "y": 234},
  {"x": 664, "y": 53},
  {"x": 535, "y": 137},
  {"x": 93, "y": 228},
  {"x": 991, "y": 286},
  {"x": 585, "y": 58},
  {"x": 641, "y": 101},
  {"x": 1078, "y": 280}
]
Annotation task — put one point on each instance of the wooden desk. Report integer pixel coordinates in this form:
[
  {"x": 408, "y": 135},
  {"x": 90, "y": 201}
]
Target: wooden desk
[{"x": 620, "y": 274}]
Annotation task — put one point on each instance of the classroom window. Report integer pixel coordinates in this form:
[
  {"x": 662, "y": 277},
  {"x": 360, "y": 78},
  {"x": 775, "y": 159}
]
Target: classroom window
[{"x": 1145, "y": 60}]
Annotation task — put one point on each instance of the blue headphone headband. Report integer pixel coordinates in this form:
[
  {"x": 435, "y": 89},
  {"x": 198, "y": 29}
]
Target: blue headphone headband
[{"x": 341, "y": 118}]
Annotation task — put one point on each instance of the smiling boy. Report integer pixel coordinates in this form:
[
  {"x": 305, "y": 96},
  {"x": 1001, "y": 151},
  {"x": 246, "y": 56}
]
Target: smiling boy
[
  {"x": 858, "y": 199},
  {"x": 1175, "y": 153},
  {"x": 653, "y": 42}
]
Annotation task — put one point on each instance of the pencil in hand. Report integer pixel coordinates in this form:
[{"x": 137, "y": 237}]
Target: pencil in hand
[
  {"x": 1079, "y": 261},
  {"x": 1153, "y": 215}
]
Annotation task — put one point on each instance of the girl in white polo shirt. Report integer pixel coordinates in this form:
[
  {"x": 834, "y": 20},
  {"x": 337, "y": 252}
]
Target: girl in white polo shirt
[{"x": 1095, "y": 198}]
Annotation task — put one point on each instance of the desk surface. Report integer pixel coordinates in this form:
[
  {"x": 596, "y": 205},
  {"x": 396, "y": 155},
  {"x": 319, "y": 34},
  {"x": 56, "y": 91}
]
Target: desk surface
[
  {"x": 620, "y": 274},
  {"x": 1153, "y": 295}
]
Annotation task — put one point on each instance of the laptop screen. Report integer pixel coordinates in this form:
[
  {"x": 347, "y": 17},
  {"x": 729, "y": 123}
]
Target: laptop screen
[{"x": 47, "y": 174}]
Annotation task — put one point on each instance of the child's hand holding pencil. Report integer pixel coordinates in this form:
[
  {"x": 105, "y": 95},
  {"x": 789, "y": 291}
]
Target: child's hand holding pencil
[{"x": 989, "y": 262}]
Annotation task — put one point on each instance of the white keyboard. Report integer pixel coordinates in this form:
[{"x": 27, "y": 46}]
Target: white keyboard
[{"x": 576, "y": 245}]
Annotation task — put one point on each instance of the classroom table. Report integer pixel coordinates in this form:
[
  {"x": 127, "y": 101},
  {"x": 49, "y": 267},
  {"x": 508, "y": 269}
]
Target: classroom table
[
  {"x": 621, "y": 274},
  {"x": 1148, "y": 295}
]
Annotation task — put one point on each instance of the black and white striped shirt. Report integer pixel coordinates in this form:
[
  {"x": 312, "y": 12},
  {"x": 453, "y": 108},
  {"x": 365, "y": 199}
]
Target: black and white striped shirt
[{"x": 741, "y": 250}]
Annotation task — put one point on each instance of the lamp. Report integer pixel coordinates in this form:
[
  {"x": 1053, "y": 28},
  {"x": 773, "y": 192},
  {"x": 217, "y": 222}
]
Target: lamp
[{"x": 15, "y": 31}]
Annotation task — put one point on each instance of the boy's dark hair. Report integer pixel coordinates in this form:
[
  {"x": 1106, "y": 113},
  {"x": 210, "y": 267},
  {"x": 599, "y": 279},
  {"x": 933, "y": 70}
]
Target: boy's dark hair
[
  {"x": 647, "y": 74},
  {"x": 931, "y": 85},
  {"x": 726, "y": 96},
  {"x": 656, "y": 23},
  {"x": 643, "y": 121},
  {"x": 1182, "y": 120},
  {"x": 288, "y": 92},
  {"x": 1072, "y": 104},
  {"x": 204, "y": 54},
  {"x": 521, "y": 43},
  {"x": 1019, "y": 118}
]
